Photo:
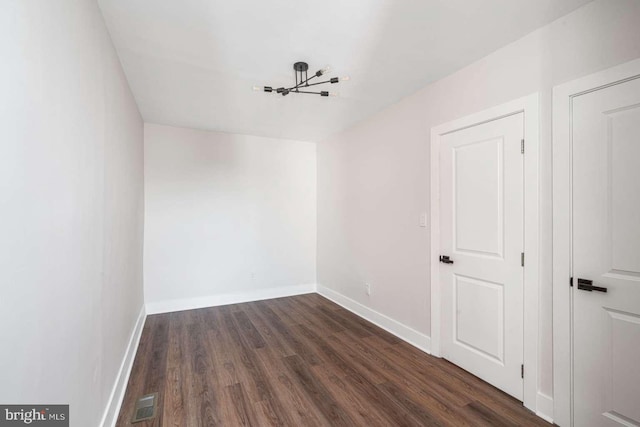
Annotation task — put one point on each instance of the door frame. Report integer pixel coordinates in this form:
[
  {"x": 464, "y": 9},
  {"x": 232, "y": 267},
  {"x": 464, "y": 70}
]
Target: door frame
[
  {"x": 527, "y": 105},
  {"x": 563, "y": 96}
]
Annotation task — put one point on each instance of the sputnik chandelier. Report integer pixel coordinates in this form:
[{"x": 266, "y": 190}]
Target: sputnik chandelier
[{"x": 302, "y": 82}]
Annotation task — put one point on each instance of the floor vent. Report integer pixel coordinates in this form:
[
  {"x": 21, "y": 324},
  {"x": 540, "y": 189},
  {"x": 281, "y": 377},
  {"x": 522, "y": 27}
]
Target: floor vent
[{"x": 146, "y": 407}]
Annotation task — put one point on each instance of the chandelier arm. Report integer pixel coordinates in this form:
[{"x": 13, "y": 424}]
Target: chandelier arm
[
  {"x": 319, "y": 83},
  {"x": 296, "y": 89},
  {"x": 307, "y": 92}
]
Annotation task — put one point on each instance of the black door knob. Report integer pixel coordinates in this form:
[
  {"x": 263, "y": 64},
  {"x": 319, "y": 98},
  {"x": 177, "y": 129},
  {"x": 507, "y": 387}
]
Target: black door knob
[{"x": 587, "y": 285}]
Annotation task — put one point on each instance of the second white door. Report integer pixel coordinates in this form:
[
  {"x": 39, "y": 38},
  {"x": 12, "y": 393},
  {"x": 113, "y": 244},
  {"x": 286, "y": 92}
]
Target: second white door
[
  {"x": 605, "y": 125},
  {"x": 481, "y": 231}
]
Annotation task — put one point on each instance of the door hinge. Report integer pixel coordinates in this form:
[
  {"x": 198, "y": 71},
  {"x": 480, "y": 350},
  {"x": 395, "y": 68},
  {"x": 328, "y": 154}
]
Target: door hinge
[
  {"x": 522, "y": 146},
  {"x": 521, "y": 371},
  {"x": 571, "y": 282},
  {"x": 522, "y": 259}
]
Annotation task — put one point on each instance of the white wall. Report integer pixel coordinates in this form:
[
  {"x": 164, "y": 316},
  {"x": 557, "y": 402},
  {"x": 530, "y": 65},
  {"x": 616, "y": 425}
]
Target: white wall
[
  {"x": 227, "y": 217},
  {"x": 373, "y": 179},
  {"x": 71, "y": 207}
]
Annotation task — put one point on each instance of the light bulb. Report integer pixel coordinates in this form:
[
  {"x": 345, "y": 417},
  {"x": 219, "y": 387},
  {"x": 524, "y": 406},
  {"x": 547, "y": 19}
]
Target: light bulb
[
  {"x": 258, "y": 88},
  {"x": 345, "y": 78},
  {"x": 334, "y": 94},
  {"x": 325, "y": 70}
]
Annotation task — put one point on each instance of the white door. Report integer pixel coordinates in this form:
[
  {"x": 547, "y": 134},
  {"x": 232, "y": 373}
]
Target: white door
[
  {"x": 481, "y": 231},
  {"x": 606, "y": 252}
]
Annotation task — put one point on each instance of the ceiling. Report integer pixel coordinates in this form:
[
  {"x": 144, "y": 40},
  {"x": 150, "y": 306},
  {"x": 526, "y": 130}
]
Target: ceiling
[{"x": 193, "y": 63}]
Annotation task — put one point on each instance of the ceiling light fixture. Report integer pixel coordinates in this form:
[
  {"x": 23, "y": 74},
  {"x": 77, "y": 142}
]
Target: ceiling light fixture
[{"x": 302, "y": 82}]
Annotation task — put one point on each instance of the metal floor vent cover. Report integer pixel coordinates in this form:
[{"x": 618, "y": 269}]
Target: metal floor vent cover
[{"x": 146, "y": 408}]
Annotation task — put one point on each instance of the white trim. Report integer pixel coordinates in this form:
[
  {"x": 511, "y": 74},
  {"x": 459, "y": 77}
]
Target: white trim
[
  {"x": 110, "y": 415},
  {"x": 402, "y": 331},
  {"x": 562, "y": 268},
  {"x": 544, "y": 407},
  {"x": 529, "y": 106},
  {"x": 156, "y": 307}
]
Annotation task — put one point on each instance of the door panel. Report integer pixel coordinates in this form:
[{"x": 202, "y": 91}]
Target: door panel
[
  {"x": 479, "y": 331},
  {"x": 481, "y": 229},
  {"x": 478, "y": 206},
  {"x": 623, "y": 145},
  {"x": 606, "y": 250},
  {"x": 624, "y": 355}
]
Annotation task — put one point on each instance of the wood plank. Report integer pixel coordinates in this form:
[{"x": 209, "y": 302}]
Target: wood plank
[
  {"x": 202, "y": 378},
  {"x": 176, "y": 395},
  {"x": 247, "y": 329},
  {"x": 243, "y": 410},
  {"x": 319, "y": 394}
]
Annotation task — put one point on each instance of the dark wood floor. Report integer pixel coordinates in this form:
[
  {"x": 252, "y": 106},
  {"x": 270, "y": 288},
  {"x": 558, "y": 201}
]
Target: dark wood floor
[{"x": 301, "y": 361}]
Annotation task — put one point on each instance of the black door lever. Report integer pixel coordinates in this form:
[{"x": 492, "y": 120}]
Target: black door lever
[
  {"x": 445, "y": 259},
  {"x": 587, "y": 285}
]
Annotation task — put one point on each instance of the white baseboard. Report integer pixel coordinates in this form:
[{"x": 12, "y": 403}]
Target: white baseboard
[
  {"x": 544, "y": 407},
  {"x": 544, "y": 403},
  {"x": 402, "y": 331},
  {"x": 110, "y": 415},
  {"x": 157, "y": 307}
]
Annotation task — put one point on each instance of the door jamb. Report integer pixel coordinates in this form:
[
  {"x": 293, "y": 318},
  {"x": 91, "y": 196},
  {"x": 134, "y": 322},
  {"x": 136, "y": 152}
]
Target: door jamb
[
  {"x": 563, "y": 96},
  {"x": 529, "y": 106}
]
